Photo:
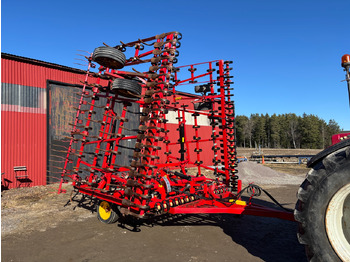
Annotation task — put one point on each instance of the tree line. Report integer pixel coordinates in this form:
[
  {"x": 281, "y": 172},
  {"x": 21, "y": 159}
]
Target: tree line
[{"x": 284, "y": 131}]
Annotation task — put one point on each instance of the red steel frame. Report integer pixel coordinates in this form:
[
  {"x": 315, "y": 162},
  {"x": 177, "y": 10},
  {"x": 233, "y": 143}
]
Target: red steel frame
[{"x": 148, "y": 187}]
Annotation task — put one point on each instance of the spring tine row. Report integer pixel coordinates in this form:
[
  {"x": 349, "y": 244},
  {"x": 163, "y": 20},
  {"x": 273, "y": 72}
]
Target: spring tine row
[{"x": 153, "y": 123}]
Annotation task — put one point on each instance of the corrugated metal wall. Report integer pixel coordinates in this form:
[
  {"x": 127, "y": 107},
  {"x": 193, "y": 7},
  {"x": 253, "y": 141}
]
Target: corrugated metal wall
[
  {"x": 204, "y": 132},
  {"x": 23, "y": 114}
]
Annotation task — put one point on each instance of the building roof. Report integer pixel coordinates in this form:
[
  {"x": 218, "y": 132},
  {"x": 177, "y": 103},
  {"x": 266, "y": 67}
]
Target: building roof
[{"x": 40, "y": 63}]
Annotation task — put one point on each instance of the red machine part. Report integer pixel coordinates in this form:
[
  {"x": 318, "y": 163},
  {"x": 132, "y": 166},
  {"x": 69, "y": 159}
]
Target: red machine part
[
  {"x": 339, "y": 137},
  {"x": 147, "y": 186}
]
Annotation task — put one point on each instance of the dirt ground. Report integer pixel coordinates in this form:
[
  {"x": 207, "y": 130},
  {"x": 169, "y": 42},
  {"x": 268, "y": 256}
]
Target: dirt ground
[{"x": 37, "y": 225}]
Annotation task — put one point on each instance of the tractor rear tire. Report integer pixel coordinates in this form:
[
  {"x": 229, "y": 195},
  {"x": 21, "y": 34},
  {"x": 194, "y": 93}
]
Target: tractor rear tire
[
  {"x": 109, "y": 57},
  {"x": 323, "y": 209},
  {"x": 107, "y": 212}
]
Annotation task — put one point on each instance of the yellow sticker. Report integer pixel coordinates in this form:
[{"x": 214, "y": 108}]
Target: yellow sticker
[{"x": 241, "y": 203}]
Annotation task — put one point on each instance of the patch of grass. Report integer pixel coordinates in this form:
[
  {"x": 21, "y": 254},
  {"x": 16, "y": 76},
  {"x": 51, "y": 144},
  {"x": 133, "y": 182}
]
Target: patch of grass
[
  {"x": 292, "y": 169},
  {"x": 23, "y": 197}
]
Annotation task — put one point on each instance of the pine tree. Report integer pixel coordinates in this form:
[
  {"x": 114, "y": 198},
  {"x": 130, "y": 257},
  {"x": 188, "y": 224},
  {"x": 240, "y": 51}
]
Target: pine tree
[
  {"x": 293, "y": 130},
  {"x": 241, "y": 122},
  {"x": 275, "y": 131},
  {"x": 285, "y": 131},
  {"x": 259, "y": 130},
  {"x": 332, "y": 128},
  {"x": 310, "y": 134},
  {"x": 248, "y": 129}
]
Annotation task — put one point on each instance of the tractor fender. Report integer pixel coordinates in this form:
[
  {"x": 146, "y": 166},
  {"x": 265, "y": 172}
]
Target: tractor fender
[{"x": 313, "y": 161}]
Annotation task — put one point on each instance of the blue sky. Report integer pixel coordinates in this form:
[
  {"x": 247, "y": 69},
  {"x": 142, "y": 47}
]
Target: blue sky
[{"x": 286, "y": 53}]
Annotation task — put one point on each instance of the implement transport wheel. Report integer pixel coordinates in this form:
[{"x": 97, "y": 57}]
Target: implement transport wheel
[
  {"x": 126, "y": 87},
  {"x": 107, "y": 213},
  {"x": 109, "y": 57},
  {"x": 323, "y": 209}
]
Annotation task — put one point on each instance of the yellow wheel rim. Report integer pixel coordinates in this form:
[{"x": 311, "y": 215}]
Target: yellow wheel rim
[{"x": 104, "y": 210}]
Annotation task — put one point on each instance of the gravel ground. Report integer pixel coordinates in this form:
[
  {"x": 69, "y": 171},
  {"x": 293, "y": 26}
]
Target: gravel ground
[
  {"x": 37, "y": 225},
  {"x": 251, "y": 172}
]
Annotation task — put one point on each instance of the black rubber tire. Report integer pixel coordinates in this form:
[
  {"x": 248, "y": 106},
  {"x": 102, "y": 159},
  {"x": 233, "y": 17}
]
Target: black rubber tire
[
  {"x": 203, "y": 106},
  {"x": 322, "y": 183},
  {"x": 126, "y": 87},
  {"x": 328, "y": 151},
  {"x": 109, "y": 217},
  {"x": 109, "y": 57}
]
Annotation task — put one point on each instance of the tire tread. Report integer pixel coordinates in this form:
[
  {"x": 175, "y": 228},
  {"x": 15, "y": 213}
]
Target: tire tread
[
  {"x": 109, "y": 57},
  {"x": 315, "y": 176}
]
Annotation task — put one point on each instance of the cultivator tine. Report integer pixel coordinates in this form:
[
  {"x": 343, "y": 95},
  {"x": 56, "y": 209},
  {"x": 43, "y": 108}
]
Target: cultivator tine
[
  {"x": 56, "y": 167},
  {"x": 156, "y": 138},
  {"x": 141, "y": 146},
  {"x": 79, "y": 126},
  {"x": 96, "y": 106},
  {"x": 131, "y": 193},
  {"x": 91, "y": 85},
  {"x": 77, "y": 139},
  {"x": 98, "y": 189},
  {"x": 90, "y": 170},
  {"x": 57, "y": 161},
  {"x": 84, "y": 110},
  {"x": 129, "y": 203},
  {"x": 133, "y": 183},
  {"x": 78, "y": 155},
  {"x": 61, "y": 157},
  {"x": 144, "y": 128},
  {"x": 135, "y": 174},
  {"x": 115, "y": 135},
  {"x": 78, "y": 133},
  {"x": 110, "y": 151},
  {"x": 138, "y": 155},
  {"x": 96, "y": 121},
  {"x": 118, "y": 118},
  {"x": 120, "y": 166},
  {"x": 55, "y": 172},
  {"x": 59, "y": 151},
  {"x": 60, "y": 146},
  {"x": 94, "y": 137},
  {"x": 142, "y": 165}
]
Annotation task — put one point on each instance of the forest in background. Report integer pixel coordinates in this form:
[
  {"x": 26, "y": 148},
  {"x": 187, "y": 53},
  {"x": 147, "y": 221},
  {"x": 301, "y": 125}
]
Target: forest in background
[{"x": 284, "y": 131}]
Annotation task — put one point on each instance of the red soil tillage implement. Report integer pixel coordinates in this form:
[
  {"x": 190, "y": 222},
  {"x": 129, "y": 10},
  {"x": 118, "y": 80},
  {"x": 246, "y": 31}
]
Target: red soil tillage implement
[{"x": 149, "y": 176}]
